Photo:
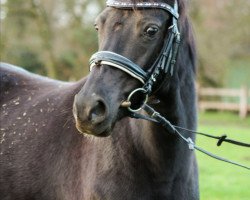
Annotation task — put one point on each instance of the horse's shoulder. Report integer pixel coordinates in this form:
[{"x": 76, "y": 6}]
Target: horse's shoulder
[{"x": 12, "y": 76}]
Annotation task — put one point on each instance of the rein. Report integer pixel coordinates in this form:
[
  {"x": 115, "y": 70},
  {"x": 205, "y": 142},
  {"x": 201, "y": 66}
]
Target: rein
[{"x": 172, "y": 129}]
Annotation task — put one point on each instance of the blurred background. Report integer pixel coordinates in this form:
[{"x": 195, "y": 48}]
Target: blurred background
[{"x": 56, "y": 38}]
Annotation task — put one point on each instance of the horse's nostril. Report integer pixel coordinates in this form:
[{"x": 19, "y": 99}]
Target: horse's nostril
[{"x": 97, "y": 113}]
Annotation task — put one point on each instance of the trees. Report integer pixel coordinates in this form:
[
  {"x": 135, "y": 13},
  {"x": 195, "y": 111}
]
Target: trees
[
  {"x": 56, "y": 38},
  {"x": 222, "y": 31}
]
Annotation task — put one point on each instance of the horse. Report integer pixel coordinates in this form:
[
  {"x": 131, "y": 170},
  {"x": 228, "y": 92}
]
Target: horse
[{"x": 98, "y": 151}]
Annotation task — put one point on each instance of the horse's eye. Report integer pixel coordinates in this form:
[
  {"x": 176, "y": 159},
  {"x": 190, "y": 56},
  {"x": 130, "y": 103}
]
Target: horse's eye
[
  {"x": 96, "y": 27},
  {"x": 151, "y": 31}
]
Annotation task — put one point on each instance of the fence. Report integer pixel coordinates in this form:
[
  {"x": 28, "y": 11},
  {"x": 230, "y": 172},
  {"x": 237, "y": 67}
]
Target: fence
[{"x": 214, "y": 98}]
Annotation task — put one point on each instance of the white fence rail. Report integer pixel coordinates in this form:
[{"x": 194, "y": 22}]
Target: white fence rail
[{"x": 218, "y": 95}]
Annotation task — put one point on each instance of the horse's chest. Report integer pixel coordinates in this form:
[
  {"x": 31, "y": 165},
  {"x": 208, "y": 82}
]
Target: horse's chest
[
  {"x": 115, "y": 185},
  {"x": 116, "y": 191}
]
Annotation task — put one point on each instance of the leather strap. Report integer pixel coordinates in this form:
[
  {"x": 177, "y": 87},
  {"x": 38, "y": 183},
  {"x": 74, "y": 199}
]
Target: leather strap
[
  {"x": 221, "y": 139},
  {"x": 158, "y": 118},
  {"x": 120, "y": 62},
  {"x": 164, "y": 64}
]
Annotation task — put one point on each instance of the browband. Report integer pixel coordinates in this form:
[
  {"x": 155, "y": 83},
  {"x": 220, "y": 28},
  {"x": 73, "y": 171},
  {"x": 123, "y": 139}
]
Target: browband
[{"x": 141, "y": 5}]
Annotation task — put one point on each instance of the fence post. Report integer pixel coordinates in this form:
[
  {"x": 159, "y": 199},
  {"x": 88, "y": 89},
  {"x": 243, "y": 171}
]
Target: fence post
[{"x": 243, "y": 101}]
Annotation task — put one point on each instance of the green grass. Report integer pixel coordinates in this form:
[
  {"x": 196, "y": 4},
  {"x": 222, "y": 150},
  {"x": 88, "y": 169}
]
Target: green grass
[{"x": 219, "y": 180}]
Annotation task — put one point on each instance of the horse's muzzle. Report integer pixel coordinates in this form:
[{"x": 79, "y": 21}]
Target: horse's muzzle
[{"x": 91, "y": 115}]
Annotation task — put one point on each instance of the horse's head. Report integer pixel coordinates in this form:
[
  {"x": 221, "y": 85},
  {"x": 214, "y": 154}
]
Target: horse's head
[{"x": 132, "y": 32}]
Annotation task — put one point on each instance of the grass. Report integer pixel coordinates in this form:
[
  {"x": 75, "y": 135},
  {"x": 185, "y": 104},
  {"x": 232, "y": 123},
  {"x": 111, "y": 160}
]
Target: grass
[{"x": 219, "y": 180}]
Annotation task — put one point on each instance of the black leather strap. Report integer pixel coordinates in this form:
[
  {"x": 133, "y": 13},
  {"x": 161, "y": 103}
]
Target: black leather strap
[
  {"x": 163, "y": 67},
  {"x": 221, "y": 139},
  {"x": 155, "y": 116},
  {"x": 118, "y": 61}
]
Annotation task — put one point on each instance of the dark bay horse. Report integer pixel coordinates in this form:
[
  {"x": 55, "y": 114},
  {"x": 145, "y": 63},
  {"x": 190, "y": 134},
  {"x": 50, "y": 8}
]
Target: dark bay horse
[{"x": 115, "y": 157}]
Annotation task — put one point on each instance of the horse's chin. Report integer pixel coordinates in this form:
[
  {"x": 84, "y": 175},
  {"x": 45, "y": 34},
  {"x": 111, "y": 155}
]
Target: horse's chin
[
  {"x": 97, "y": 132},
  {"x": 103, "y": 129}
]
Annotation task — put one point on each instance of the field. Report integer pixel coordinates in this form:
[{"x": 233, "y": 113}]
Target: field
[{"x": 219, "y": 180}]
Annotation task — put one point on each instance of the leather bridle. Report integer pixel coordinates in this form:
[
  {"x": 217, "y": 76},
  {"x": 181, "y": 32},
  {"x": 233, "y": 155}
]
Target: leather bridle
[{"x": 162, "y": 68}]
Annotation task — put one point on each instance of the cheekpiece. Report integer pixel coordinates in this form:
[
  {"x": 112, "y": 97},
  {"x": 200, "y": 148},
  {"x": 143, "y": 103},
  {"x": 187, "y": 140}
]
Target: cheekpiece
[{"x": 142, "y": 5}]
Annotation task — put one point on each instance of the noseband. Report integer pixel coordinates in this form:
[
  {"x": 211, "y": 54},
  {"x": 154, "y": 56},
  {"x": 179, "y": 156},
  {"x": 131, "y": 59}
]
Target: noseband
[{"x": 162, "y": 68}]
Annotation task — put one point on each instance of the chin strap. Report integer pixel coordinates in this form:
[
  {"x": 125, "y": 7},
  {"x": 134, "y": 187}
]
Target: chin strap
[{"x": 158, "y": 118}]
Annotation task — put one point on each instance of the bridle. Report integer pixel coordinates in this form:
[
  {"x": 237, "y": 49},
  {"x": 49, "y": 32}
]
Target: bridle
[{"x": 162, "y": 68}]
